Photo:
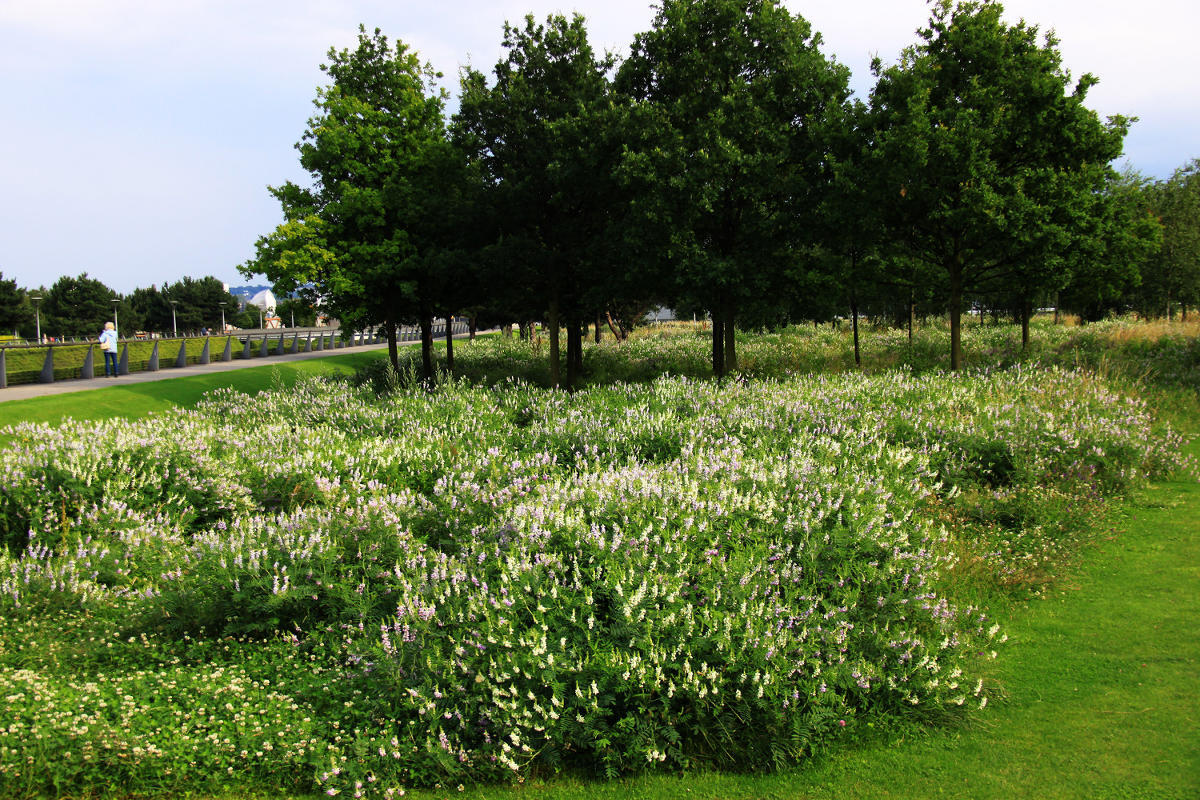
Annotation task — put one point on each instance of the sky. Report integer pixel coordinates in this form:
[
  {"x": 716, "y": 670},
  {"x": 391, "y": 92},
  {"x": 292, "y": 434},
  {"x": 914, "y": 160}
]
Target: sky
[{"x": 140, "y": 136}]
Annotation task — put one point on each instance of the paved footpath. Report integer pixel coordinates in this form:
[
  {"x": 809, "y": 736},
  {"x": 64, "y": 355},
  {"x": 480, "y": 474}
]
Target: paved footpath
[{"x": 28, "y": 390}]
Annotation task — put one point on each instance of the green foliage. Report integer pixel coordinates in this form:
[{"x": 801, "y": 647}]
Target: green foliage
[
  {"x": 76, "y": 307},
  {"x": 730, "y": 177},
  {"x": 14, "y": 307},
  {"x": 1107, "y": 266},
  {"x": 545, "y": 137},
  {"x": 1171, "y": 279},
  {"x": 473, "y": 583},
  {"x": 366, "y": 240},
  {"x": 988, "y": 161},
  {"x": 297, "y": 311}
]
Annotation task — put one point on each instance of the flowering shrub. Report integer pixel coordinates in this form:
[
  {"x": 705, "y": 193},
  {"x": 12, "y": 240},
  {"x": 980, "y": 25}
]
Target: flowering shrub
[{"x": 325, "y": 586}]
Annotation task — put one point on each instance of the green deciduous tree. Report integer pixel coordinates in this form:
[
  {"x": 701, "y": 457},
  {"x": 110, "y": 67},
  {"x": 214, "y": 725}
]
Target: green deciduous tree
[
  {"x": 363, "y": 240},
  {"x": 744, "y": 100},
  {"x": 76, "y": 307},
  {"x": 852, "y": 231},
  {"x": 14, "y": 308},
  {"x": 1172, "y": 275},
  {"x": 197, "y": 304},
  {"x": 1106, "y": 264},
  {"x": 990, "y": 158},
  {"x": 539, "y": 134},
  {"x": 296, "y": 311}
]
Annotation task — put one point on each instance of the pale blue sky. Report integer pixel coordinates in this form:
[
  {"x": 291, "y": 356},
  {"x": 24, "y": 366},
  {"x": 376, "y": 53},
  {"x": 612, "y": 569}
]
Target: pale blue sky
[{"x": 140, "y": 135}]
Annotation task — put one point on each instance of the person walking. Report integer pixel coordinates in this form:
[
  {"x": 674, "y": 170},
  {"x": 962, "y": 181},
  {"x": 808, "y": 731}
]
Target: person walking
[{"x": 108, "y": 341}]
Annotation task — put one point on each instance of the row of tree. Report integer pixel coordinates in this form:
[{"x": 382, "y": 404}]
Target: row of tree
[
  {"x": 724, "y": 168},
  {"x": 78, "y": 307}
]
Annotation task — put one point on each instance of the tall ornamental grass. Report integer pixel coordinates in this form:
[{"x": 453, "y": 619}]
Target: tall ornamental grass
[
  {"x": 329, "y": 588},
  {"x": 1158, "y": 355}
]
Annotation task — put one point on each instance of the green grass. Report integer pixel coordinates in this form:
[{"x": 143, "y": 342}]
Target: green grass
[
  {"x": 24, "y": 364},
  {"x": 136, "y": 400}
]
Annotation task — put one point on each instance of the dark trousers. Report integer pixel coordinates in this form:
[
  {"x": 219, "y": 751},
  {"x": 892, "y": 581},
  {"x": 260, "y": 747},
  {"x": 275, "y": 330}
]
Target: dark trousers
[{"x": 110, "y": 364}]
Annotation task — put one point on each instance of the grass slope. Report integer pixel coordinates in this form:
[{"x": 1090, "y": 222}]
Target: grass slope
[{"x": 136, "y": 400}]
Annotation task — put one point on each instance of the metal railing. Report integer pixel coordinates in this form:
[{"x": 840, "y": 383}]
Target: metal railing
[{"x": 152, "y": 355}]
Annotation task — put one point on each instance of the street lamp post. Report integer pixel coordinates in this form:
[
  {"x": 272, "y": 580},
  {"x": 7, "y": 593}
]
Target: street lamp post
[
  {"x": 260, "y": 318},
  {"x": 116, "y": 302},
  {"x": 222, "y": 305},
  {"x": 37, "y": 299},
  {"x": 174, "y": 326}
]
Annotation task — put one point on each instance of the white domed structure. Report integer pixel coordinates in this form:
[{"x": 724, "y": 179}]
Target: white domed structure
[{"x": 264, "y": 300}]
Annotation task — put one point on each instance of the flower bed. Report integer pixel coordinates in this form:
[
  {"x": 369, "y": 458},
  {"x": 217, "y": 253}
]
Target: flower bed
[{"x": 327, "y": 588}]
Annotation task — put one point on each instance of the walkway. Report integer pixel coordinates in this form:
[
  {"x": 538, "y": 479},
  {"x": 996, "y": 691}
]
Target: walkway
[{"x": 28, "y": 390}]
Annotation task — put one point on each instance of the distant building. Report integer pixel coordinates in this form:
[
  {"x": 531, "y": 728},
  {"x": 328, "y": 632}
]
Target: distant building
[{"x": 265, "y": 299}]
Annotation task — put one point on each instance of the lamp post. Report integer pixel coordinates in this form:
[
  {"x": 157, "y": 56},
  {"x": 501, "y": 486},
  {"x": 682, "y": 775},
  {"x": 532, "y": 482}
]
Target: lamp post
[
  {"x": 37, "y": 315},
  {"x": 293, "y": 317},
  {"x": 174, "y": 326},
  {"x": 116, "y": 302},
  {"x": 222, "y": 305},
  {"x": 260, "y": 318}
]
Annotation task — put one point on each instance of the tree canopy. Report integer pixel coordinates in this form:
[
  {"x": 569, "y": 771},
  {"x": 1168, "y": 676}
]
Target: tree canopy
[
  {"x": 721, "y": 169},
  {"x": 989, "y": 155},
  {"x": 362, "y": 241},
  {"x": 745, "y": 104}
]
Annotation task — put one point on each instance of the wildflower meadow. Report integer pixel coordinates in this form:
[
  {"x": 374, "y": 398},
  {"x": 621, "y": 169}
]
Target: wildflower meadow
[{"x": 329, "y": 588}]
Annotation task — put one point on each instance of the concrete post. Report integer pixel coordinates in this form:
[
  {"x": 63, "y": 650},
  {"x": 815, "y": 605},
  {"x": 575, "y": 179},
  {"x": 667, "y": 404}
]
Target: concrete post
[{"x": 47, "y": 375}]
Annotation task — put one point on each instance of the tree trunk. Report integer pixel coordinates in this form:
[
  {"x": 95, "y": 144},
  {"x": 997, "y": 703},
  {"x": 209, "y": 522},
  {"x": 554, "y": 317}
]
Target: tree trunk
[
  {"x": 555, "y": 368},
  {"x": 718, "y": 344},
  {"x": 912, "y": 313},
  {"x": 450, "y": 344},
  {"x": 1057, "y": 304},
  {"x": 1026, "y": 313},
  {"x": 598, "y": 334},
  {"x": 393, "y": 352},
  {"x": 854, "y": 325},
  {"x": 427, "y": 346},
  {"x": 956, "y": 293},
  {"x": 728, "y": 314},
  {"x": 473, "y": 325},
  {"x": 614, "y": 327}
]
